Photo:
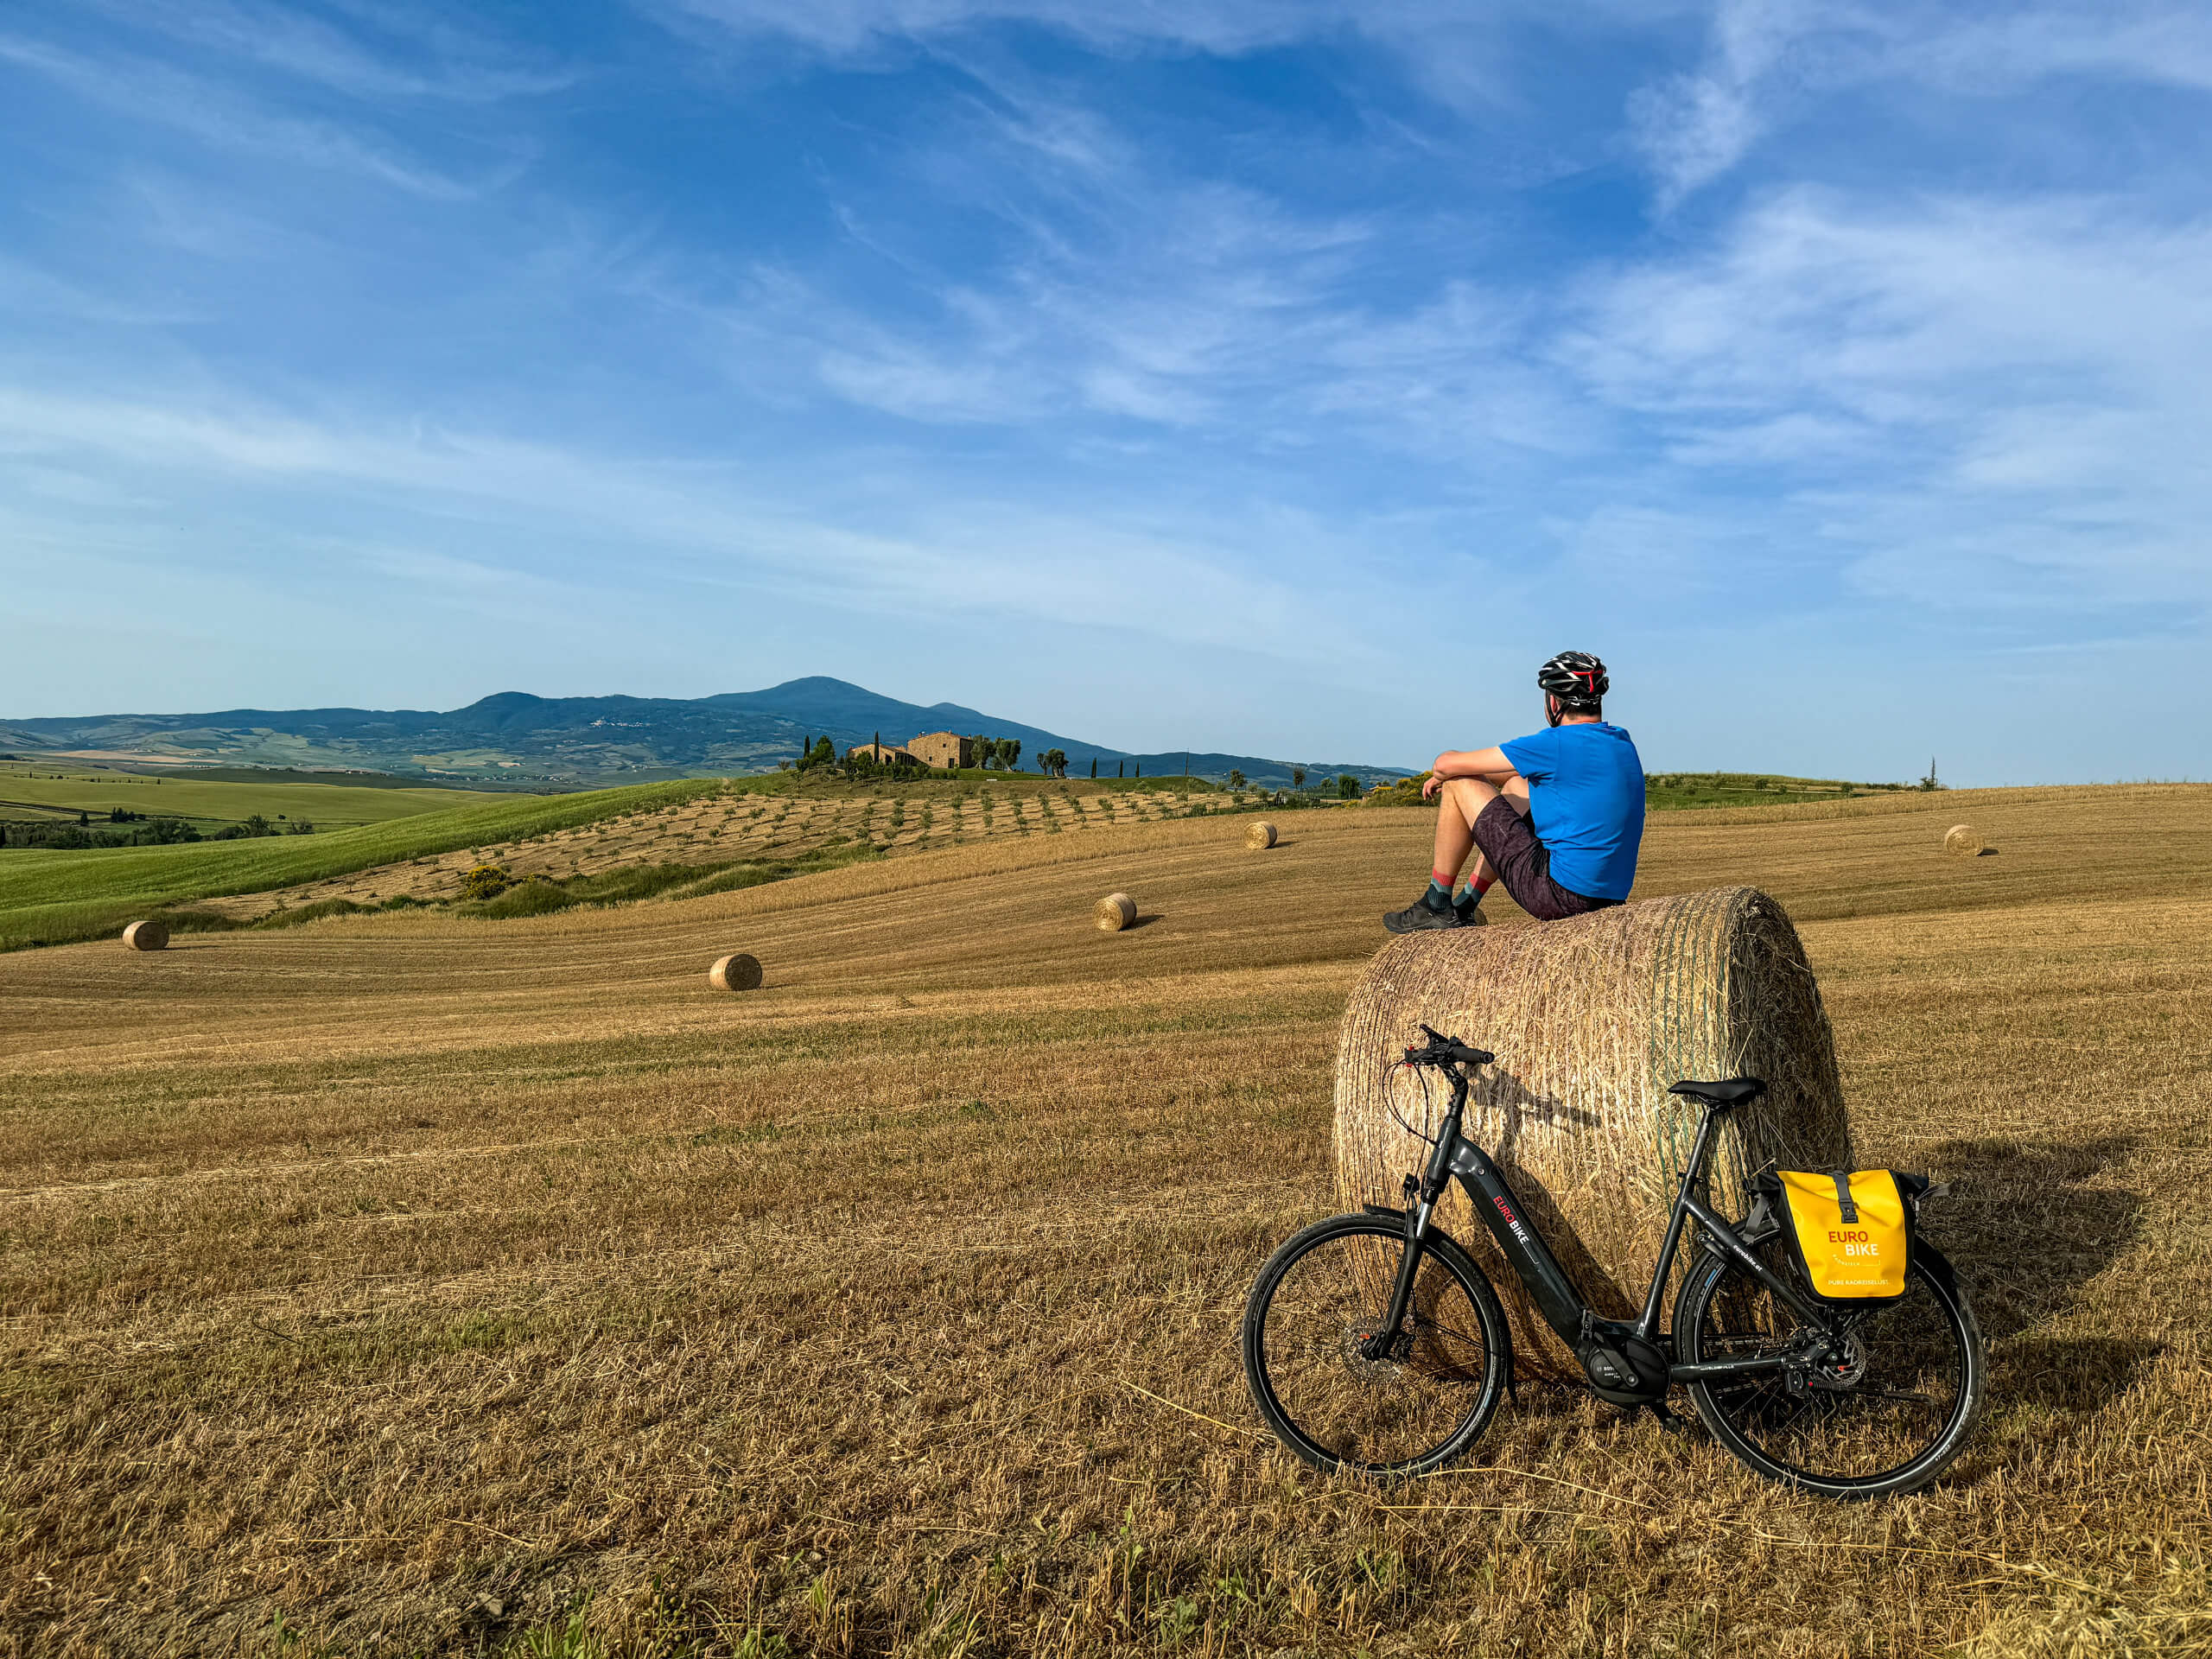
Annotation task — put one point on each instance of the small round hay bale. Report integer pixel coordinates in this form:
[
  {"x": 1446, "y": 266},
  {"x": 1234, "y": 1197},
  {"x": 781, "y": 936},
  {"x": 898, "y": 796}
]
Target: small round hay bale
[
  {"x": 738, "y": 972},
  {"x": 1260, "y": 835},
  {"x": 1962, "y": 843},
  {"x": 1114, "y": 912},
  {"x": 150, "y": 935},
  {"x": 1591, "y": 1019}
]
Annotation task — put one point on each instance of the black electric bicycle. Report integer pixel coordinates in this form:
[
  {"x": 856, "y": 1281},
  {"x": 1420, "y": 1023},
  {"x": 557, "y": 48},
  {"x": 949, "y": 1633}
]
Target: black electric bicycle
[{"x": 1374, "y": 1342}]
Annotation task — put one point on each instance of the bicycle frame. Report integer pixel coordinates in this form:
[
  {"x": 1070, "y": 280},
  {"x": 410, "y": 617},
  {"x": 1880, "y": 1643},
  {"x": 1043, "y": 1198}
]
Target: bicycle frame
[{"x": 1556, "y": 1299}]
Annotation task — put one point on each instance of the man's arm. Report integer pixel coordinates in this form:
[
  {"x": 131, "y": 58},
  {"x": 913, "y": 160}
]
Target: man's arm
[{"x": 1488, "y": 764}]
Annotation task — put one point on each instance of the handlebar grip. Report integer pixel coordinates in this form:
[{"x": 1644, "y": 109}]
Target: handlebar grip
[{"x": 1441, "y": 1048}]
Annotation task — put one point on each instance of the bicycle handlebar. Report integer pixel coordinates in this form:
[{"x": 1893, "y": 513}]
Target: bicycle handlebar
[{"x": 1442, "y": 1049}]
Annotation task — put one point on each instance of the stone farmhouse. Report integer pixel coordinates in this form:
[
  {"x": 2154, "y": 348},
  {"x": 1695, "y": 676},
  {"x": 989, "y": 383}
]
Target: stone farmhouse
[
  {"x": 942, "y": 749},
  {"x": 886, "y": 754}
]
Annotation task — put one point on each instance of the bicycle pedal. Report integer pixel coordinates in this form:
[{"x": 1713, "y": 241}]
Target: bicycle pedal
[{"x": 1668, "y": 1421}]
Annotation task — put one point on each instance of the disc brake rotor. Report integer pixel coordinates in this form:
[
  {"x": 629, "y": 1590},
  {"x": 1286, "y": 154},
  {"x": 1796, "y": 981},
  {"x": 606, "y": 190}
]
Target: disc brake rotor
[
  {"x": 1366, "y": 1370},
  {"x": 1840, "y": 1368}
]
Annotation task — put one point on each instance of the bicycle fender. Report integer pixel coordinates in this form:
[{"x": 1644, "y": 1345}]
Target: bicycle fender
[{"x": 1939, "y": 1267}]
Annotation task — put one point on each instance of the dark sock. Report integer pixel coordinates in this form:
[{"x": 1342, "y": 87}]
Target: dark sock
[
  {"x": 1439, "y": 896},
  {"x": 1472, "y": 897}
]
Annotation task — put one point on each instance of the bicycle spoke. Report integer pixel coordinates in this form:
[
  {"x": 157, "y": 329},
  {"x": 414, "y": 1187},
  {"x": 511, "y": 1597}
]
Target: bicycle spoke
[
  {"x": 1856, "y": 1404},
  {"x": 1316, "y": 1352}
]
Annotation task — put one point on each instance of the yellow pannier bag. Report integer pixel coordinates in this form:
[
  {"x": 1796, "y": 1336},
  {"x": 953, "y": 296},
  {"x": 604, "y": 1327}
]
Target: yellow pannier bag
[{"x": 1852, "y": 1231}]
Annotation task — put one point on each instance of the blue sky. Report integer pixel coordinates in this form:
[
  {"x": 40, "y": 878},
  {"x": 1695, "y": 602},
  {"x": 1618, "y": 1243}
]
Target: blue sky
[{"x": 1279, "y": 377}]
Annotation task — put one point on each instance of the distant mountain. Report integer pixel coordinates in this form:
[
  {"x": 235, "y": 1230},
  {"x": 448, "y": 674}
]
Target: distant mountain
[{"x": 519, "y": 740}]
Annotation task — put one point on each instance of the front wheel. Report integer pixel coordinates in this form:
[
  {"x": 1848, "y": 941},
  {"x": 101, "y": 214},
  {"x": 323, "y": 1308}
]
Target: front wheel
[
  {"x": 1314, "y": 1367},
  {"x": 1886, "y": 1412}
]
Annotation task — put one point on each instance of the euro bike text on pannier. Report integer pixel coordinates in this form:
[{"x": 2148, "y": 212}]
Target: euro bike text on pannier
[{"x": 1851, "y": 1231}]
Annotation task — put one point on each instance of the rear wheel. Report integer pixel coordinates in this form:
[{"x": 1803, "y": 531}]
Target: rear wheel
[
  {"x": 1884, "y": 1411},
  {"x": 1308, "y": 1330}
]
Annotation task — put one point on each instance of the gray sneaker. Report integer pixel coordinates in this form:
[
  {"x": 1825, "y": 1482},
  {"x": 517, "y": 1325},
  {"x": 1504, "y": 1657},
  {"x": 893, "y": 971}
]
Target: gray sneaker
[{"x": 1418, "y": 918}]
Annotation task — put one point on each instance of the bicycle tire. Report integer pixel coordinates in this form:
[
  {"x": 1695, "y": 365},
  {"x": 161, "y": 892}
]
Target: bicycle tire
[
  {"x": 1443, "y": 1388},
  {"x": 1758, "y": 1417}
]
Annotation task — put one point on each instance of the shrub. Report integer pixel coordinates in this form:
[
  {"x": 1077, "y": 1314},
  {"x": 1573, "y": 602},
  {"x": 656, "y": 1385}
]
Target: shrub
[
  {"x": 533, "y": 896},
  {"x": 313, "y": 913},
  {"x": 201, "y": 921},
  {"x": 485, "y": 882}
]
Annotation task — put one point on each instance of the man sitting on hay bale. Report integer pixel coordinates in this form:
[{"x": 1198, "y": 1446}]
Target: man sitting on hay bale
[{"x": 1558, "y": 816}]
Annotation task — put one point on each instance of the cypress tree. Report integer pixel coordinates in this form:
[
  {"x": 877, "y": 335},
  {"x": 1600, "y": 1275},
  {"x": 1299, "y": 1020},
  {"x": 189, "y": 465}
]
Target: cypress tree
[{"x": 1094, "y": 765}]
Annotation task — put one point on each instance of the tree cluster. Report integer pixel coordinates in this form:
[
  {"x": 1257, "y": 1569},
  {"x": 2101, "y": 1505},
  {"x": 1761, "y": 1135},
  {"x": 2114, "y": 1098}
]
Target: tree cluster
[
  {"x": 258, "y": 826},
  {"x": 996, "y": 754},
  {"x": 80, "y": 836}
]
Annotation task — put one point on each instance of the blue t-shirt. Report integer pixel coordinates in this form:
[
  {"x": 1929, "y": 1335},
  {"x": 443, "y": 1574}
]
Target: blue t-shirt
[{"x": 1586, "y": 801}]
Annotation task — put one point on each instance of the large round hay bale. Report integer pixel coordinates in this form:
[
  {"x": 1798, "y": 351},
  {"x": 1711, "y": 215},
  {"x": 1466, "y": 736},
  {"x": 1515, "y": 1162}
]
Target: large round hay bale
[
  {"x": 740, "y": 972},
  {"x": 1260, "y": 836},
  {"x": 150, "y": 935},
  {"x": 1962, "y": 843},
  {"x": 1114, "y": 912},
  {"x": 1591, "y": 1019}
]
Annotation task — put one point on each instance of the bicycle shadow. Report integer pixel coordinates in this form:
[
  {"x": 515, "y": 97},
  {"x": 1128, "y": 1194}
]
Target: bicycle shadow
[{"x": 2028, "y": 1231}]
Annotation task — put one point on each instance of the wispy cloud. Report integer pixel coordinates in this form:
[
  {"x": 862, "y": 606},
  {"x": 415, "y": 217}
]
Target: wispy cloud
[
  {"x": 705, "y": 524},
  {"x": 1974, "y": 387},
  {"x": 1697, "y": 126},
  {"x": 427, "y": 56},
  {"x": 141, "y": 90},
  {"x": 1767, "y": 61}
]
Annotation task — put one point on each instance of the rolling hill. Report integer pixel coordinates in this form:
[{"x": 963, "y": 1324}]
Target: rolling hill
[{"x": 516, "y": 740}]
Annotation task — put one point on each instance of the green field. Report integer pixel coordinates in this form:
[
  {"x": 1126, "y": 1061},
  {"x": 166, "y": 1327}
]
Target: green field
[
  {"x": 50, "y": 897},
  {"x": 1666, "y": 790},
  {"x": 34, "y": 789}
]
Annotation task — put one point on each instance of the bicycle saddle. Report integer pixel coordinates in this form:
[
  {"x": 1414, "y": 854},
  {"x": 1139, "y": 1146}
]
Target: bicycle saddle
[{"x": 1720, "y": 1095}]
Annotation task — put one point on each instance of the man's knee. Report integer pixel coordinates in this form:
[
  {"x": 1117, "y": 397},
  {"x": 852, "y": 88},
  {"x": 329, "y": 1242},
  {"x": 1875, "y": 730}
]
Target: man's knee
[{"x": 1471, "y": 795}]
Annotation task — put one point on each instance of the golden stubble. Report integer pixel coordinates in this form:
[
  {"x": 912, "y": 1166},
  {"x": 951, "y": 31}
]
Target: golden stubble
[{"x": 410, "y": 1279}]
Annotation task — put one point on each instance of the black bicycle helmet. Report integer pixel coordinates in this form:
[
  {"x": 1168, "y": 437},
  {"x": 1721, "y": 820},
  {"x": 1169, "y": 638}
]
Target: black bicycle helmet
[{"x": 1577, "y": 679}]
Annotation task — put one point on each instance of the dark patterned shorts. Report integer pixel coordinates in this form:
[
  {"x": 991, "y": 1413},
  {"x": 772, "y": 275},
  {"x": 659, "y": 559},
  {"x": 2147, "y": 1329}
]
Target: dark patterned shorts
[{"x": 1524, "y": 866}]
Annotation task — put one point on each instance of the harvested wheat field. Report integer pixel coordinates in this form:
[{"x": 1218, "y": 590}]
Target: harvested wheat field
[{"x": 407, "y": 1283}]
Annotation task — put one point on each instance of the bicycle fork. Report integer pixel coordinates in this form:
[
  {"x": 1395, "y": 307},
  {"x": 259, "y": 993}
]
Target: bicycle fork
[{"x": 1377, "y": 1343}]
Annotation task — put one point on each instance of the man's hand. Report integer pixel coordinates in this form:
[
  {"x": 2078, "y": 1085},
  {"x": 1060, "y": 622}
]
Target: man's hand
[{"x": 1488, "y": 764}]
